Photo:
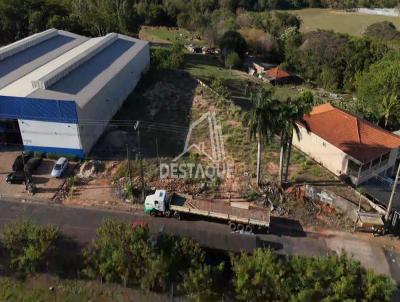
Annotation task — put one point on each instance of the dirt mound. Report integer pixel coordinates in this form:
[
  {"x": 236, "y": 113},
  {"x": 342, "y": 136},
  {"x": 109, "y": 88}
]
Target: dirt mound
[{"x": 90, "y": 169}]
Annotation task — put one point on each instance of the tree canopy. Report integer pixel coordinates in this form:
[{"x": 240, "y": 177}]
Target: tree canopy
[
  {"x": 381, "y": 80},
  {"x": 382, "y": 30},
  {"x": 263, "y": 276},
  {"x": 232, "y": 41}
]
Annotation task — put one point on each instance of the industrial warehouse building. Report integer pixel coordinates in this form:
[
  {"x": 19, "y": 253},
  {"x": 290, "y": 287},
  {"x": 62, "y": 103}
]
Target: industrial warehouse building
[{"x": 58, "y": 90}]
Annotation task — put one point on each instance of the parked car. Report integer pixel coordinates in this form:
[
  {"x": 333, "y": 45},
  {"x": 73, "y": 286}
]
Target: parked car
[
  {"x": 60, "y": 167},
  {"x": 32, "y": 164},
  {"x": 18, "y": 177},
  {"x": 20, "y": 160}
]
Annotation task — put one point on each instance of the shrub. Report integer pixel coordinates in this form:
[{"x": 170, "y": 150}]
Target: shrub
[
  {"x": 164, "y": 58},
  {"x": 202, "y": 283},
  {"x": 258, "y": 277},
  {"x": 263, "y": 276},
  {"x": 118, "y": 254},
  {"x": 31, "y": 248},
  {"x": 232, "y": 60}
]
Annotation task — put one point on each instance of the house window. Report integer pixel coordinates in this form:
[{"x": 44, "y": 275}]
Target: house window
[
  {"x": 353, "y": 167},
  {"x": 324, "y": 144},
  {"x": 375, "y": 162},
  {"x": 385, "y": 159},
  {"x": 365, "y": 167}
]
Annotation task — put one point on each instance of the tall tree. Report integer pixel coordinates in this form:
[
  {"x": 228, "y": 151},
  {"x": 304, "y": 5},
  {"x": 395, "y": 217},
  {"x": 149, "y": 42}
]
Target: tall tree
[
  {"x": 232, "y": 41},
  {"x": 294, "y": 114},
  {"x": 390, "y": 108},
  {"x": 103, "y": 16},
  {"x": 380, "y": 79},
  {"x": 261, "y": 121}
]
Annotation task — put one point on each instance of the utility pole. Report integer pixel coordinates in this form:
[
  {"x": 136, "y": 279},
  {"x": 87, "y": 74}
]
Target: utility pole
[
  {"x": 23, "y": 168},
  {"x": 158, "y": 156},
  {"x": 140, "y": 158},
  {"x": 129, "y": 169},
  {"x": 389, "y": 208}
]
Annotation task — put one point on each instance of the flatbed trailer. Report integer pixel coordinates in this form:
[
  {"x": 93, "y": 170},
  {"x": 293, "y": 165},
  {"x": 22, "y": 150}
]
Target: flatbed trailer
[{"x": 238, "y": 219}]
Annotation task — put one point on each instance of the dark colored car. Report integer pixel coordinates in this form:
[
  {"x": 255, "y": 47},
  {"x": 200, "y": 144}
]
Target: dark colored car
[
  {"x": 18, "y": 177},
  {"x": 32, "y": 164},
  {"x": 20, "y": 161}
]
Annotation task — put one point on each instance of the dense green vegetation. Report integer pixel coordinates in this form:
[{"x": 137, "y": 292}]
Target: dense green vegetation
[
  {"x": 383, "y": 30},
  {"x": 168, "y": 58},
  {"x": 378, "y": 89},
  {"x": 263, "y": 276},
  {"x": 137, "y": 259}
]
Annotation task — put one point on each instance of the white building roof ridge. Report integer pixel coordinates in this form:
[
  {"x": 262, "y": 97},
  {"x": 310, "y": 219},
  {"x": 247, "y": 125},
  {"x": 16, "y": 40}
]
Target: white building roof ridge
[
  {"x": 23, "y": 86},
  {"x": 21, "y": 45},
  {"x": 88, "y": 51}
]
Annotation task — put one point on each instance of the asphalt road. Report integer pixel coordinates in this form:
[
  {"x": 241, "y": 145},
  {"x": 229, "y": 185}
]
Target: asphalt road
[
  {"x": 81, "y": 224},
  {"x": 286, "y": 237}
]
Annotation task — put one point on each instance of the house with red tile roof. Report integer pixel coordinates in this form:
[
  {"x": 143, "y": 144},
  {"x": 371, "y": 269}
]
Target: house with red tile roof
[
  {"x": 277, "y": 75},
  {"x": 348, "y": 145}
]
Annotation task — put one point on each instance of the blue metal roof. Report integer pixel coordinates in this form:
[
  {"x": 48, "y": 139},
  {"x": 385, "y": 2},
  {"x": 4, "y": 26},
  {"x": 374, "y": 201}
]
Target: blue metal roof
[{"x": 38, "y": 109}]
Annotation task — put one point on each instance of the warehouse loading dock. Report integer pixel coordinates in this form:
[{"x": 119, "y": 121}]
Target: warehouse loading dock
[{"x": 10, "y": 134}]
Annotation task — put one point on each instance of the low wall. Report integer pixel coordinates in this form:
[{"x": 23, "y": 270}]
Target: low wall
[{"x": 339, "y": 203}]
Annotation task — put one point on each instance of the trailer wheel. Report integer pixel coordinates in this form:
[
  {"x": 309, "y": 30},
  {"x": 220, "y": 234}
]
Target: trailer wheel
[
  {"x": 240, "y": 227},
  {"x": 232, "y": 226},
  {"x": 249, "y": 228},
  {"x": 167, "y": 213},
  {"x": 177, "y": 216}
]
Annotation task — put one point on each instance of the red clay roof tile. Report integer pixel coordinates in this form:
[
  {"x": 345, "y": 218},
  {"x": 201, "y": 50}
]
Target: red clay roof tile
[
  {"x": 276, "y": 73},
  {"x": 356, "y": 137}
]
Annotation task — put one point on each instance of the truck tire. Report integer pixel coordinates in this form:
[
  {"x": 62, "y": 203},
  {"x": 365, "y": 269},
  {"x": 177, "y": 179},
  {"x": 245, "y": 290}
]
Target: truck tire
[
  {"x": 177, "y": 216},
  {"x": 249, "y": 229},
  {"x": 167, "y": 213},
  {"x": 232, "y": 226},
  {"x": 240, "y": 227},
  {"x": 153, "y": 213}
]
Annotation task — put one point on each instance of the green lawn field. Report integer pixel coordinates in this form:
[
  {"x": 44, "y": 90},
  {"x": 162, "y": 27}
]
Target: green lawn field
[{"x": 339, "y": 20}]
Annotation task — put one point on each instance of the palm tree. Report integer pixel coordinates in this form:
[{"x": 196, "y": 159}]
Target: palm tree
[
  {"x": 292, "y": 112},
  {"x": 390, "y": 107},
  {"x": 261, "y": 121}
]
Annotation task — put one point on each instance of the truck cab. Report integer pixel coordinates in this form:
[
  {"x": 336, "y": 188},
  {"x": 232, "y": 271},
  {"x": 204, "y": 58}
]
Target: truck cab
[{"x": 156, "y": 202}]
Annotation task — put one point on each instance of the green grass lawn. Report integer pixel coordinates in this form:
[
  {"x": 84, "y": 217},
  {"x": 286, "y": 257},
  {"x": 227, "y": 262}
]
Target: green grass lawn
[
  {"x": 339, "y": 20},
  {"x": 36, "y": 289},
  {"x": 206, "y": 68},
  {"x": 169, "y": 35}
]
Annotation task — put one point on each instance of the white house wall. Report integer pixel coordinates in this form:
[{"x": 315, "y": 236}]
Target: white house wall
[
  {"x": 49, "y": 134},
  {"x": 332, "y": 158}
]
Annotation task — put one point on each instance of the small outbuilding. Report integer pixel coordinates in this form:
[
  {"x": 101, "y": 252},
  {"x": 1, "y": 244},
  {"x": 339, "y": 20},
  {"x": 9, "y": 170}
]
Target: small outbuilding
[{"x": 277, "y": 75}]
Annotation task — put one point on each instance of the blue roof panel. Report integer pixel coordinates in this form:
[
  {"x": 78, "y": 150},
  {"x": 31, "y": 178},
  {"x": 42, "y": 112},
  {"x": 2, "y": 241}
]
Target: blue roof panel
[{"x": 38, "y": 109}]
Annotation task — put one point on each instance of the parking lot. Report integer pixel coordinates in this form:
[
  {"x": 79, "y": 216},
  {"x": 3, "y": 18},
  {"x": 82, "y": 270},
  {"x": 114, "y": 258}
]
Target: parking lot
[{"x": 46, "y": 185}]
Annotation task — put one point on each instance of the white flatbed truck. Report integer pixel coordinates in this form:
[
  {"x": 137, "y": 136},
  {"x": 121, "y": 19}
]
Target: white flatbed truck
[{"x": 239, "y": 219}]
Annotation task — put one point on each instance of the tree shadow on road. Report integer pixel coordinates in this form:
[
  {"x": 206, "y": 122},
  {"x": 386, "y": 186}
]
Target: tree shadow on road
[{"x": 282, "y": 226}]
